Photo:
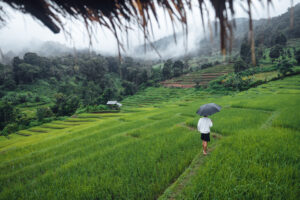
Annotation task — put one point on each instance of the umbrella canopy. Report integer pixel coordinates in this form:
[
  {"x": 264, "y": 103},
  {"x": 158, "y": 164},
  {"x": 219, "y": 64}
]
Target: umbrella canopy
[{"x": 208, "y": 109}]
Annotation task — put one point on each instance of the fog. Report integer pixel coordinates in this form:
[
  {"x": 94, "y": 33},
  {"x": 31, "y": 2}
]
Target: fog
[{"x": 23, "y": 33}]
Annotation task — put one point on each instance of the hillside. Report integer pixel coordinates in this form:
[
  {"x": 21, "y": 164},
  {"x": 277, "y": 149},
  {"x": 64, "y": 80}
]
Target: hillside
[
  {"x": 92, "y": 156},
  {"x": 202, "y": 77},
  {"x": 265, "y": 31}
]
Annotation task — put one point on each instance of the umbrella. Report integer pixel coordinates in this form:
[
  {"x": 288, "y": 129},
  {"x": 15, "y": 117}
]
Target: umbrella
[{"x": 208, "y": 109}]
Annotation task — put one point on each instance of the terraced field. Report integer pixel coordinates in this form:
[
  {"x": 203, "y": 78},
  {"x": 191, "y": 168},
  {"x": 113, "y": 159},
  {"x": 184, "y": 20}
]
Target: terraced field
[
  {"x": 160, "y": 96},
  {"x": 202, "y": 76},
  {"x": 152, "y": 152}
]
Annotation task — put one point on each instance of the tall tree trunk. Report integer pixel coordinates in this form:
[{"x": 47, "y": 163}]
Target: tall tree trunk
[
  {"x": 292, "y": 15},
  {"x": 251, "y": 34}
]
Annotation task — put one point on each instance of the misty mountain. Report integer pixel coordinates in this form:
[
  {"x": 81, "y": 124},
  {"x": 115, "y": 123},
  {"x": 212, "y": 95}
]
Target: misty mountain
[
  {"x": 264, "y": 31},
  {"x": 46, "y": 49}
]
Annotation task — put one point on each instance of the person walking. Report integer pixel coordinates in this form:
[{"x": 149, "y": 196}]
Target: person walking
[{"x": 204, "y": 125}]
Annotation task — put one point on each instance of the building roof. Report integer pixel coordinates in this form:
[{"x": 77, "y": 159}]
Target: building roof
[
  {"x": 114, "y": 103},
  {"x": 111, "y": 102}
]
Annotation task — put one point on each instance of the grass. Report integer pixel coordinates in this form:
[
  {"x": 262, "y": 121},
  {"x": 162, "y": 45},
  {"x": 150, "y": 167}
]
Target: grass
[
  {"x": 253, "y": 164},
  {"x": 258, "y": 158},
  {"x": 141, "y": 151}
]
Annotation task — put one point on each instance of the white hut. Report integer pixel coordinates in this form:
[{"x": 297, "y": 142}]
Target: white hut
[{"x": 114, "y": 103}]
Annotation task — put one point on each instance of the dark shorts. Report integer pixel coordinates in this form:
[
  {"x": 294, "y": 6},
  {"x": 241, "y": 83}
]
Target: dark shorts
[{"x": 205, "y": 137}]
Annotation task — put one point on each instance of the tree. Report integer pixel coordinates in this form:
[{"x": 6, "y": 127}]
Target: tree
[
  {"x": 113, "y": 64},
  {"x": 15, "y": 63},
  {"x": 259, "y": 53},
  {"x": 297, "y": 56},
  {"x": 7, "y": 114},
  {"x": 108, "y": 95},
  {"x": 65, "y": 105},
  {"x": 94, "y": 69},
  {"x": 167, "y": 70},
  {"x": 280, "y": 39},
  {"x": 142, "y": 77},
  {"x": 239, "y": 66},
  {"x": 156, "y": 74},
  {"x": 129, "y": 88},
  {"x": 275, "y": 52},
  {"x": 178, "y": 68},
  {"x": 27, "y": 73},
  {"x": 245, "y": 52},
  {"x": 43, "y": 112},
  {"x": 43, "y": 64}
]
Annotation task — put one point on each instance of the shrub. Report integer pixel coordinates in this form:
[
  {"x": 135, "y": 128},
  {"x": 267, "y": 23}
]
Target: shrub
[
  {"x": 43, "y": 112},
  {"x": 10, "y": 128},
  {"x": 65, "y": 105},
  {"x": 22, "y": 119},
  {"x": 7, "y": 114},
  {"x": 197, "y": 84},
  {"x": 275, "y": 52},
  {"x": 9, "y": 84},
  {"x": 22, "y": 98},
  {"x": 37, "y": 99},
  {"x": 284, "y": 67},
  {"x": 240, "y": 65},
  {"x": 206, "y": 65},
  {"x": 297, "y": 56}
]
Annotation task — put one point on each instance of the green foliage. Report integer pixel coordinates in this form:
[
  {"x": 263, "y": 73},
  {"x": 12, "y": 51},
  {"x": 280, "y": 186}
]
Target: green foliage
[
  {"x": 94, "y": 69},
  {"x": 43, "y": 112},
  {"x": 245, "y": 52},
  {"x": 167, "y": 70},
  {"x": 10, "y": 128},
  {"x": 239, "y": 66},
  {"x": 26, "y": 73},
  {"x": 275, "y": 52},
  {"x": 178, "y": 68},
  {"x": 8, "y": 114},
  {"x": 95, "y": 109},
  {"x": 129, "y": 88},
  {"x": 285, "y": 67},
  {"x": 297, "y": 56},
  {"x": 280, "y": 39},
  {"x": 65, "y": 105}
]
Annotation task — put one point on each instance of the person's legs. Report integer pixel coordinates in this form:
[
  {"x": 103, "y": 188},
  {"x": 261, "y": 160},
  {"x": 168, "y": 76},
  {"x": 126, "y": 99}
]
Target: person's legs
[{"x": 204, "y": 147}]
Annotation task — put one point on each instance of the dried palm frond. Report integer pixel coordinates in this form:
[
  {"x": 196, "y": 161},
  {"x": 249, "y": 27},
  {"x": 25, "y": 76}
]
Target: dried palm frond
[{"x": 118, "y": 15}]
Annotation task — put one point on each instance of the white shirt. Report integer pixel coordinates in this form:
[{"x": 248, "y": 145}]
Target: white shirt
[{"x": 204, "y": 125}]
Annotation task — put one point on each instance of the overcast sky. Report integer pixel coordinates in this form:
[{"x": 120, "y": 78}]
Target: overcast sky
[{"x": 22, "y": 30}]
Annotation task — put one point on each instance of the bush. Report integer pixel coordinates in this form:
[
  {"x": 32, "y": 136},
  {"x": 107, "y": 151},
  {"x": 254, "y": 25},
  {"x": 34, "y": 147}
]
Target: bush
[
  {"x": 275, "y": 52},
  {"x": 7, "y": 114},
  {"x": 197, "y": 84},
  {"x": 240, "y": 65},
  {"x": 297, "y": 56},
  {"x": 9, "y": 84},
  {"x": 284, "y": 67},
  {"x": 10, "y": 128},
  {"x": 43, "y": 112},
  {"x": 22, "y": 98},
  {"x": 65, "y": 105},
  {"x": 22, "y": 120},
  {"x": 206, "y": 65},
  {"x": 37, "y": 99}
]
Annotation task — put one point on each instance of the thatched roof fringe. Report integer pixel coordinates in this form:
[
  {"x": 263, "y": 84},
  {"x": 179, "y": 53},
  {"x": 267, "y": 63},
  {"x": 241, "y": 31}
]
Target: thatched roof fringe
[{"x": 119, "y": 15}]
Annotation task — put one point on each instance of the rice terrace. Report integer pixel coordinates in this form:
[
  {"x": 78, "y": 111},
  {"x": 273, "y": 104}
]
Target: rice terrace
[{"x": 88, "y": 124}]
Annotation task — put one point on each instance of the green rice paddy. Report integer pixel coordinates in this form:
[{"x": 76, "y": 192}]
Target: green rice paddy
[{"x": 144, "y": 151}]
